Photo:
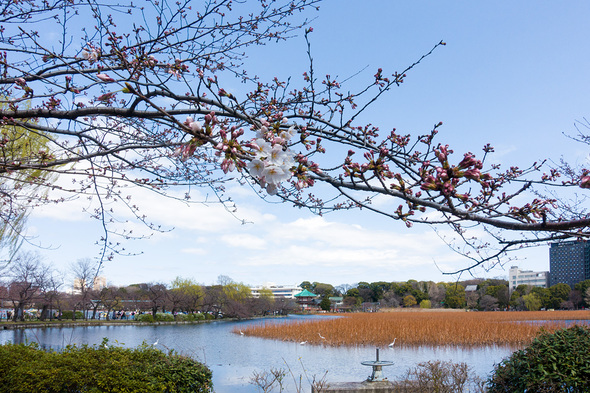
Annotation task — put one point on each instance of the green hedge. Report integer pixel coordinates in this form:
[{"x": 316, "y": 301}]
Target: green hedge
[
  {"x": 162, "y": 317},
  {"x": 104, "y": 368},
  {"x": 69, "y": 314},
  {"x": 144, "y": 318},
  {"x": 189, "y": 317},
  {"x": 554, "y": 362}
]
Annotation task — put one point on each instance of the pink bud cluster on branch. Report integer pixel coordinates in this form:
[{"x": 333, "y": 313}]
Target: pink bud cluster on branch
[{"x": 446, "y": 177}]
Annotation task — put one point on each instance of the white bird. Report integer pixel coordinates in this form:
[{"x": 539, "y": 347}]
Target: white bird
[
  {"x": 303, "y": 342},
  {"x": 156, "y": 343},
  {"x": 241, "y": 332},
  {"x": 391, "y": 345},
  {"x": 322, "y": 337}
]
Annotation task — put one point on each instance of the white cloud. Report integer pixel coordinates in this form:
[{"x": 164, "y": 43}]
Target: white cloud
[
  {"x": 194, "y": 251},
  {"x": 244, "y": 241}
]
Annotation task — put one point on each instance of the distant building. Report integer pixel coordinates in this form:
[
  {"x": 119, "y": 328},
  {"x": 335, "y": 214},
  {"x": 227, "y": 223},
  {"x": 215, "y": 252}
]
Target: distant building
[
  {"x": 306, "y": 300},
  {"x": 569, "y": 262},
  {"x": 278, "y": 291},
  {"x": 518, "y": 277},
  {"x": 98, "y": 284}
]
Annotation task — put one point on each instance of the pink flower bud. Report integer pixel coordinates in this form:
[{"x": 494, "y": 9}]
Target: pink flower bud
[
  {"x": 105, "y": 78},
  {"x": 196, "y": 126},
  {"x": 473, "y": 174}
]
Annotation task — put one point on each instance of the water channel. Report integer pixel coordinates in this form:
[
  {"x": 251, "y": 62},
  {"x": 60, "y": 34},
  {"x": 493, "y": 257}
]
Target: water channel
[{"x": 234, "y": 358}]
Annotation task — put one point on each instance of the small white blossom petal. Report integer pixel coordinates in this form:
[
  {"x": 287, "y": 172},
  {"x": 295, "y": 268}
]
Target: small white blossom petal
[{"x": 256, "y": 167}]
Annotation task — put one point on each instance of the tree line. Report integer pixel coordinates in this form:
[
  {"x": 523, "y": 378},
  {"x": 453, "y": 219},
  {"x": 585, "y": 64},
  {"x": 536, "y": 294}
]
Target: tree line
[
  {"x": 28, "y": 283},
  {"x": 483, "y": 294}
]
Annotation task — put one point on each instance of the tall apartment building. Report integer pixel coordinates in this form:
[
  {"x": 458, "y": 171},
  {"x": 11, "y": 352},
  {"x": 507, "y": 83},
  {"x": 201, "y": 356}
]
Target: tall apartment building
[
  {"x": 569, "y": 262},
  {"x": 527, "y": 277}
]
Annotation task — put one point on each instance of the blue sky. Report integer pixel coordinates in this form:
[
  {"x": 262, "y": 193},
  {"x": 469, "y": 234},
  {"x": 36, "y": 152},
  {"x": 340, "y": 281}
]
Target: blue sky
[{"x": 513, "y": 74}]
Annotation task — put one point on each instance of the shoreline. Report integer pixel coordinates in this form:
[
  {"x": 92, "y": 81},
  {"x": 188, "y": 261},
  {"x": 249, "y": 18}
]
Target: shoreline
[
  {"x": 93, "y": 322},
  {"x": 68, "y": 324}
]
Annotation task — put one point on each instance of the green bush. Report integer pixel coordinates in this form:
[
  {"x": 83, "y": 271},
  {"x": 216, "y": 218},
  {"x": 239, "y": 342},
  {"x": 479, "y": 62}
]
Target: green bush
[
  {"x": 104, "y": 368},
  {"x": 161, "y": 317},
  {"x": 69, "y": 314},
  {"x": 181, "y": 317},
  {"x": 144, "y": 318},
  {"x": 553, "y": 362}
]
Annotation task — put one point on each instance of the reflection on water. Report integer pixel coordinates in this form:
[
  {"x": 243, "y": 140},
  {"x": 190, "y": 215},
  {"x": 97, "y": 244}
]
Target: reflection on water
[
  {"x": 559, "y": 322},
  {"x": 233, "y": 357}
]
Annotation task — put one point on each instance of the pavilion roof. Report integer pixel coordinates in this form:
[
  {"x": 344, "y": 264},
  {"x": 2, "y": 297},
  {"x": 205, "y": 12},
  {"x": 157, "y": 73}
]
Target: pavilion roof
[{"x": 305, "y": 293}]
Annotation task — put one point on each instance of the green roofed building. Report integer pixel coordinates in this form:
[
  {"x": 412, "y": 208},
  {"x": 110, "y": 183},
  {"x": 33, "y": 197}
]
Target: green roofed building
[{"x": 306, "y": 299}]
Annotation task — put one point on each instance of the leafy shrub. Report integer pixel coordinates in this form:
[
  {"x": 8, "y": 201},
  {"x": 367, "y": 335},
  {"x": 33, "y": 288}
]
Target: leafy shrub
[
  {"x": 196, "y": 317},
  {"x": 181, "y": 317},
  {"x": 144, "y": 318},
  {"x": 162, "y": 317},
  {"x": 553, "y": 362},
  {"x": 69, "y": 314},
  {"x": 425, "y": 304},
  {"x": 189, "y": 317},
  {"x": 104, "y": 368}
]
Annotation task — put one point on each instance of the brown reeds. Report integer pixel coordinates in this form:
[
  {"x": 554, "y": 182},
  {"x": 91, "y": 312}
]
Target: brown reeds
[{"x": 455, "y": 328}]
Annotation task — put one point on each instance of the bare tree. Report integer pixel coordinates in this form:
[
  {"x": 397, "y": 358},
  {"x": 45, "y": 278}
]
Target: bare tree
[
  {"x": 28, "y": 279},
  {"x": 488, "y": 303},
  {"x": 158, "y": 295},
  {"x": 149, "y": 105},
  {"x": 111, "y": 298},
  {"x": 52, "y": 295},
  {"x": 84, "y": 272}
]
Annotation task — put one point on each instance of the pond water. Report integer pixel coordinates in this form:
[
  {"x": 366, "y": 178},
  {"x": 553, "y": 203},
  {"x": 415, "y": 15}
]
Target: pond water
[{"x": 234, "y": 358}]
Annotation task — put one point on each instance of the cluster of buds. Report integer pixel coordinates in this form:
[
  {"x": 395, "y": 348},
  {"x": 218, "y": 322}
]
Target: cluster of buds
[
  {"x": 230, "y": 148},
  {"x": 186, "y": 150},
  {"x": 301, "y": 177},
  {"x": 445, "y": 178},
  {"x": 376, "y": 163},
  {"x": 177, "y": 69},
  {"x": 21, "y": 84}
]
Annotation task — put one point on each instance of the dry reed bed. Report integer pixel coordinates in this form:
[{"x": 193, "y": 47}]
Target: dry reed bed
[{"x": 421, "y": 328}]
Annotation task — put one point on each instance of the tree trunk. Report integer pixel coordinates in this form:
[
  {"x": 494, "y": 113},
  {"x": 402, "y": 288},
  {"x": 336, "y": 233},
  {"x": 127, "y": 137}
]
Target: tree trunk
[
  {"x": 19, "y": 313},
  {"x": 44, "y": 311}
]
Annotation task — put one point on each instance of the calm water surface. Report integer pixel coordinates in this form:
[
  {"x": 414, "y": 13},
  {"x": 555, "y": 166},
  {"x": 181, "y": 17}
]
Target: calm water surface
[{"x": 234, "y": 358}]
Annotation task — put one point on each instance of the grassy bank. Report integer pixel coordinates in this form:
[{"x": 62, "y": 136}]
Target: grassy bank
[{"x": 421, "y": 328}]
